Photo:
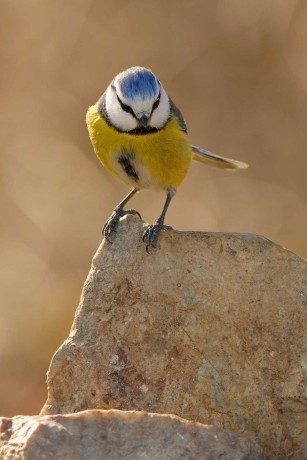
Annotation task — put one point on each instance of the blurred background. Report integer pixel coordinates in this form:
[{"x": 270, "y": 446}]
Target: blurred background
[{"x": 238, "y": 71}]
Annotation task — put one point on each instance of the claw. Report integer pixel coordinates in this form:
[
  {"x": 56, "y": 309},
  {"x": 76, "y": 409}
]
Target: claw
[
  {"x": 151, "y": 234},
  {"x": 148, "y": 246},
  {"x": 133, "y": 212},
  {"x": 111, "y": 224}
]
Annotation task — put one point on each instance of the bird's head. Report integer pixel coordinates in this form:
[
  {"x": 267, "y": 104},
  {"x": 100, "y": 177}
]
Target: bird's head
[{"x": 136, "y": 100}]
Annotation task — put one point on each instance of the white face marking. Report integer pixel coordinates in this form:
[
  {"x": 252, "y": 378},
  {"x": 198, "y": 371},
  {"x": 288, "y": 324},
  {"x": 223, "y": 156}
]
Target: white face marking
[
  {"x": 161, "y": 114},
  {"x": 123, "y": 121},
  {"x": 140, "y": 105}
]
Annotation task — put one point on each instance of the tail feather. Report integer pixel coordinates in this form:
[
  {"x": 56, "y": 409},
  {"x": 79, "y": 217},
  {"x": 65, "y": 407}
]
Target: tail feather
[{"x": 211, "y": 159}]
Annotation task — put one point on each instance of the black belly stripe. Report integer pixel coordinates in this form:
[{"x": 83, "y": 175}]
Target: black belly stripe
[{"x": 125, "y": 160}]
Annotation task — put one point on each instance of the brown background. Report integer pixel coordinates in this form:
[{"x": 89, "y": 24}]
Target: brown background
[{"x": 238, "y": 71}]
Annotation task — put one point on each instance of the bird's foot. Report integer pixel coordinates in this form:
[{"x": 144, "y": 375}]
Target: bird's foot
[
  {"x": 150, "y": 235},
  {"x": 111, "y": 224}
]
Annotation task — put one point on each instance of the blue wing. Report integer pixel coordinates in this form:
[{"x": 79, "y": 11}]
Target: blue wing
[{"x": 178, "y": 115}]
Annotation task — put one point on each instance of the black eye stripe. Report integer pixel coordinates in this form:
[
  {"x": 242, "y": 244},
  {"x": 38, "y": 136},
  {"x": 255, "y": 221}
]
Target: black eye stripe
[
  {"x": 156, "y": 103},
  {"x": 126, "y": 108}
]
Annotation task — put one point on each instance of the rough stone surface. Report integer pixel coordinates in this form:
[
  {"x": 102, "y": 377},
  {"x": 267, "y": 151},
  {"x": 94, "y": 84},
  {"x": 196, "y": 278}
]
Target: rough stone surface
[
  {"x": 118, "y": 435},
  {"x": 209, "y": 327}
]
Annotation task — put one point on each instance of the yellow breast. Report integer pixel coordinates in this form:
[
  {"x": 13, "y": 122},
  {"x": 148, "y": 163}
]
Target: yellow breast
[{"x": 160, "y": 159}]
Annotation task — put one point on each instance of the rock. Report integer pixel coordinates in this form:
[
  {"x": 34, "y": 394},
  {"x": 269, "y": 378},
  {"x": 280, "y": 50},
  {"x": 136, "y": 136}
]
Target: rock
[
  {"x": 208, "y": 327},
  {"x": 116, "y": 435},
  {"x": 301, "y": 453}
]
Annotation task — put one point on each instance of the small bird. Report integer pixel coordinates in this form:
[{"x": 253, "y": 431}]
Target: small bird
[{"x": 140, "y": 136}]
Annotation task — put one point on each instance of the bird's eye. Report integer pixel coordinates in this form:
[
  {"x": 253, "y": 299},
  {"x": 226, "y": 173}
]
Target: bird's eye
[
  {"x": 156, "y": 103},
  {"x": 126, "y": 108}
]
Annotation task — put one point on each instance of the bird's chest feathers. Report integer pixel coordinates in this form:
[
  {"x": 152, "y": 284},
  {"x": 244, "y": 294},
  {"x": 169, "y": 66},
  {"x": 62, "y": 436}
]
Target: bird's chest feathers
[
  {"x": 128, "y": 167},
  {"x": 153, "y": 161}
]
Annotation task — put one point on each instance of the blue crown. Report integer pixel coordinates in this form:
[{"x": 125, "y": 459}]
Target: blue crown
[{"x": 137, "y": 81}]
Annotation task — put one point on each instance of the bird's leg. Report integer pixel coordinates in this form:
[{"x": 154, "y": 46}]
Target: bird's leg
[
  {"x": 151, "y": 233},
  {"x": 111, "y": 224}
]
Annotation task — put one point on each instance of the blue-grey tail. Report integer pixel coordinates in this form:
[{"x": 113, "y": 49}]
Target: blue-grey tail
[{"x": 211, "y": 159}]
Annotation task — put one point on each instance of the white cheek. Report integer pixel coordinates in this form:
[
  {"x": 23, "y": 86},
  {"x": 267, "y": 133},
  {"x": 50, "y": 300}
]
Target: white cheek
[
  {"x": 161, "y": 113},
  {"x": 124, "y": 121}
]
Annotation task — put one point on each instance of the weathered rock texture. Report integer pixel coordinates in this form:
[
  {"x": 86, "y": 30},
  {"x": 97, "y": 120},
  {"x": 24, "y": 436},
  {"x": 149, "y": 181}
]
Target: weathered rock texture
[
  {"x": 118, "y": 435},
  {"x": 209, "y": 327}
]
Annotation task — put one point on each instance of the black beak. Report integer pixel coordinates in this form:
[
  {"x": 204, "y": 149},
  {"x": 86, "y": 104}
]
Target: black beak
[{"x": 143, "y": 121}]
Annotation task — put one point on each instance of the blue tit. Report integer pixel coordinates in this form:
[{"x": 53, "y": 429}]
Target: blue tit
[{"x": 140, "y": 136}]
